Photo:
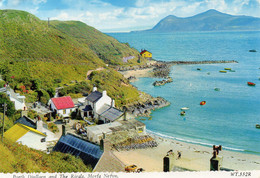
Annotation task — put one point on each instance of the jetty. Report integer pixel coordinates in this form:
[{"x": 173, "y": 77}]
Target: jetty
[
  {"x": 198, "y": 62},
  {"x": 162, "y": 64}
]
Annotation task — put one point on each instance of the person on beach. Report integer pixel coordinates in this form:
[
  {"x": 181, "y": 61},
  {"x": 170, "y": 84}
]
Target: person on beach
[{"x": 179, "y": 155}]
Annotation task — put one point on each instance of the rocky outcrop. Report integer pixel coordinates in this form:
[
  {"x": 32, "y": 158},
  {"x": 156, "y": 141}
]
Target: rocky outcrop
[
  {"x": 162, "y": 82},
  {"x": 145, "y": 108}
]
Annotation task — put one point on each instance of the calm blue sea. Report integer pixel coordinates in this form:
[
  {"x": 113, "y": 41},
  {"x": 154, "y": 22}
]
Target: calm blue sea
[{"x": 230, "y": 115}]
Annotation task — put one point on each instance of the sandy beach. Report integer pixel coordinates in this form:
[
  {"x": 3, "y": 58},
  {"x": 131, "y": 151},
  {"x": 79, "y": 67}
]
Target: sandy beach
[
  {"x": 194, "y": 157},
  {"x": 137, "y": 73}
]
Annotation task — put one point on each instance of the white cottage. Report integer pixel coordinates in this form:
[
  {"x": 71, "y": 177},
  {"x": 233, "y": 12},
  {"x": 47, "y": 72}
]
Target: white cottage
[
  {"x": 16, "y": 98},
  {"x": 100, "y": 106},
  {"x": 96, "y": 100},
  {"x": 62, "y": 106},
  {"x": 31, "y": 133}
]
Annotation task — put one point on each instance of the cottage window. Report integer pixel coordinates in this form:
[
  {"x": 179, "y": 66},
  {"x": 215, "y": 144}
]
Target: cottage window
[{"x": 43, "y": 140}]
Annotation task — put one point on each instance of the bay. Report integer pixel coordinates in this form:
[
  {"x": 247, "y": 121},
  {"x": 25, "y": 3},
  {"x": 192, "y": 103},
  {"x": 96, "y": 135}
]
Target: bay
[{"x": 230, "y": 115}]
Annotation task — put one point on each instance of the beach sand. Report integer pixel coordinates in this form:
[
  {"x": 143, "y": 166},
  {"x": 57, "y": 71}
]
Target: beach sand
[
  {"x": 137, "y": 73},
  {"x": 194, "y": 157}
]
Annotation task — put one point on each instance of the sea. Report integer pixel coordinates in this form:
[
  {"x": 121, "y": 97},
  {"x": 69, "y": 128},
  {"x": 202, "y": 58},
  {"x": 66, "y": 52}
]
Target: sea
[{"x": 230, "y": 115}]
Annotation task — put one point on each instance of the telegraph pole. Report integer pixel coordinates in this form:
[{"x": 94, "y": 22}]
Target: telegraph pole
[{"x": 3, "y": 128}]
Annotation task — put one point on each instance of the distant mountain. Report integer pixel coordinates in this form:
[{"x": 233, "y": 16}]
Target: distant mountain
[{"x": 210, "y": 20}]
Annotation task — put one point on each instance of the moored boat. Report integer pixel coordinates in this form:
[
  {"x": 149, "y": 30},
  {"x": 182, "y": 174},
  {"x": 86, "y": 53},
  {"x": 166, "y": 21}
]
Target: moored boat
[
  {"x": 252, "y": 50},
  {"x": 227, "y": 68},
  {"x": 202, "y": 102},
  {"x": 250, "y": 83},
  {"x": 217, "y": 89},
  {"x": 198, "y": 68},
  {"x": 185, "y": 108},
  {"x": 183, "y": 113},
  {"x": 223, "y": 71},
  {"x": 257, "y": 126},
  {"x": 232, "y": 71}
]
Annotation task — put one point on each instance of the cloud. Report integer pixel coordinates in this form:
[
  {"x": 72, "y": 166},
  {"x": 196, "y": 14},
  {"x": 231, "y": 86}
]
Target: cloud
[{"x": 115, "y": 14}]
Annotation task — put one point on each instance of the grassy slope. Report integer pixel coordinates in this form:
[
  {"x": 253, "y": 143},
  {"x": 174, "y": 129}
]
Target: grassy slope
[
  {"x": 20, "y": 158},
  {"x": 30, "y": 50}
]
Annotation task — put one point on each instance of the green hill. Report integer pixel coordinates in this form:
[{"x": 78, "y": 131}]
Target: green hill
[
  {"x": 36, "y": 57},
  {"x": 19, "y": 158}
]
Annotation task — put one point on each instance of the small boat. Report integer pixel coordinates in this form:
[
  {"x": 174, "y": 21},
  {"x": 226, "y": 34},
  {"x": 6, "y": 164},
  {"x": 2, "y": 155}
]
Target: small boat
[
  {"x": 250, "y": 83},
  {"x": 184, "y": 108},
  {"x": 202, "y": 102},
  {"x": 252, "y": 50},
  {"x": 223, "y": 71},
  {"x": 232, "y": 71},
  {"x": 198, "y": 68},
  {"x": 217, "y": 89},
  {"x": 257, "y": 126},
  {"x": 183, "y": 113},
  {"x": 227, "y": 68}
]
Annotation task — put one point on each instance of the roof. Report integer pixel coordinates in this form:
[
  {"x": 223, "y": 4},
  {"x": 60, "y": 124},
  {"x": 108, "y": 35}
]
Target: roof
[
  {"x": 19, "y": 130},
  {"x": 103, "y": 128},
  {"x": 94, "y": 96},
  {"x": 88, "y": 152},
  {"x": 26, "y": 121},
  {"x": 110, "y": 113},
  {"x": 63, "y": 102},
  {"x": 143, "y": 51},
  {"x": 128, "y": 125},
  {"x": 87, "y": 108}
]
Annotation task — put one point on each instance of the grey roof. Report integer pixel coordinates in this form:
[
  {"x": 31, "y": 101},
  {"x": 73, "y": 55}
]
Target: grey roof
[
  {"x": 87, "y": 108},
  {"x": 26, "y": 121},
  {"x": 88, "y": 152},
  {"x": 110, "y": 113},
  {"x": 94, "y": 96},
  {"x": 9, "y": 91},
  {"x": 2, "y": 90}
]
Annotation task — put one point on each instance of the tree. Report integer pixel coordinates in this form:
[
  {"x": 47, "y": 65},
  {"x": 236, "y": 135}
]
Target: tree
[{"x": 10, "y": 105}]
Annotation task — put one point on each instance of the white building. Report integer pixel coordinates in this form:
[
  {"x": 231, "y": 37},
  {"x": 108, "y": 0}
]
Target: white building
[
  {"x": 62, "y": 106},
  {"x": 100, "y": 106},
  {"x": 96, "y": 133},
  {"x": 19, "y": 101},
  {"x": 32, "y": 134}
]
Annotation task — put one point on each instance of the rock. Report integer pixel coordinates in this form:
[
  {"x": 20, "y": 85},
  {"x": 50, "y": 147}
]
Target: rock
[
  {"x": 163, "y": 82},
  {"x": 144, "y": 108}
]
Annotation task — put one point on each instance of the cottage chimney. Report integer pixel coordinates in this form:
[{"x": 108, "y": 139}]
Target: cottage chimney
[
  {"x": 124, "y": 109},
  {"x": 63, "y": 130},
  {"x": 104, "y": 93},
  {"x": 94, "y": 89},
  {"x": 112, "y": 103},
  {"x": 39, "y": 125}
]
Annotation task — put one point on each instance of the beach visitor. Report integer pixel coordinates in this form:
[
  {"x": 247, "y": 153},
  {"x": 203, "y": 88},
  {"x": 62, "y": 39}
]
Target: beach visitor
[{"x": 179, "y": 154}]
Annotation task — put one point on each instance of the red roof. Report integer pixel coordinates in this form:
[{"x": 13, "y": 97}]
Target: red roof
[
  {"x": 143, "y": 51},
  {"x": 64, "y": 102}
]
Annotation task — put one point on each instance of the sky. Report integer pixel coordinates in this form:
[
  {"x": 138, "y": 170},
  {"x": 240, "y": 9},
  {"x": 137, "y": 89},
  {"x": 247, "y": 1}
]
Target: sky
[{"x": 127, "y": 15}]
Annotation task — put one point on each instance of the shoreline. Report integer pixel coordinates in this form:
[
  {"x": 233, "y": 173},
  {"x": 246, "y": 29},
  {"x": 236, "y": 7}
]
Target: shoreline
[{"x": 194, "y": 156}]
